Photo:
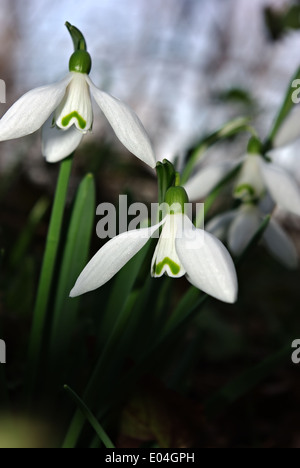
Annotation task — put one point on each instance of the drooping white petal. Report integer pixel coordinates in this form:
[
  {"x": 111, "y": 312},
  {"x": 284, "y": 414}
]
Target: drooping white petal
[
  {"x": 280, "y": 245},
  {"x": 289, "y": 130},
  {"x": 208, "y": 264},
  {"x": 165, "y": 259},
  {"x": 219, "y": 225},
  {"x": 76, "y": 107},
  {"x": 126, "y": 125},
  {"x": 250, "y": 183},
  {"x": 111, "y": 258},
  {"x": 199, "y": 186},
  {"x": 58, "y": 144},
  {"x": 243, "y": 228},
  {"x": 282, "y": 186},
  {"x": 30, "y": 112}
]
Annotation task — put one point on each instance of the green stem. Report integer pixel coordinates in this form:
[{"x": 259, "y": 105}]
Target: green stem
[{"x": 45, "y": 282}]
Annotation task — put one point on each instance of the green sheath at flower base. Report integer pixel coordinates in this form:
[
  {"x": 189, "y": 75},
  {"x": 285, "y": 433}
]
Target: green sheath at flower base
[
  {"x": 254, "y": 146},
  {"x": 244, "y": 190},
  {"x": 77, "y": 37},
  {"x": 176, "y": 198}
]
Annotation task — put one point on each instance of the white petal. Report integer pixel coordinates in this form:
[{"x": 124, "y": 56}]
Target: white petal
[
  {"x": 250, "y": 183},
  {"x": 126, "y": 125},
  {"x": 58, "y": 144},
  {"x": 111, "y": 258},
  {"x": 282, "y": 186},
  {"x": 218, "y": 226},
  {"x": 289, "y": 130},
  {"x": 208, "y": 264},
  {"x": 280, "y": 245},
  {"x": 76, "y": 107},
  {"x": 33, "y": 109},
  {"x": 243, "y": 228},
  {"x": 199, "y": 186},
  {"x": 165, "y": 259}
]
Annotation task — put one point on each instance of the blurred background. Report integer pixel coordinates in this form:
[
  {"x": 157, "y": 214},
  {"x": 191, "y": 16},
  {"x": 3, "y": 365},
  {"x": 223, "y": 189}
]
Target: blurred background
[{"x": 186, "y": 67}]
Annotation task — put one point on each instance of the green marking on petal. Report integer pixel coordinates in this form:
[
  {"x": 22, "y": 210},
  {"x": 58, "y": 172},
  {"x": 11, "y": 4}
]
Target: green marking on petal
[
  {"x": 175, "y": 269},
  {"x": 245, "y": 188},
  {"x": 66, "y": 120}
]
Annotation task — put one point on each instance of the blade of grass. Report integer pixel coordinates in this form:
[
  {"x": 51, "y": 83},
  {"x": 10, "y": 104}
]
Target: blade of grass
[
  {"x": 46, "y": 277},
  {"x": 35, "y": 217},
  {"x": 121, "y": 293},
  {"x": 91, "y": 418},
  {"x": 121, "y": 290},
  {"x": 74, "y": 259},
  {"x": 285, "y": 109}
]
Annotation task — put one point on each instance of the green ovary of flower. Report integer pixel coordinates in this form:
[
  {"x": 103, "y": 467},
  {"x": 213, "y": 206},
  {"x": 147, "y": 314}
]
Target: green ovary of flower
[
  {"x": 80, "y": 62},
  {"x": 66, "y": 120},
  {"x": 175, "y": 269},
  {"x": 245, "y": 189}
]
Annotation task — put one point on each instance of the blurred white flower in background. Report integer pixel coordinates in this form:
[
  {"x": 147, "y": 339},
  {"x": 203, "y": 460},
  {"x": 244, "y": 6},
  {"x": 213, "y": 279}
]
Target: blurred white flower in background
[{"x": 239, "y": 226}]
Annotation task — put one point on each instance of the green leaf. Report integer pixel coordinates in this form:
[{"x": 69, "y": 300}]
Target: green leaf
[
  {"x": 114, "y": 327},
  {"x": 91, "y": 418},
  {"x": 46, "y": 278},
  {"x": 121, "y": 290},
  {"x": 285, "y": 109},
  {"x": 75, "y": 257},
  {"x": 35, "y": 217}
]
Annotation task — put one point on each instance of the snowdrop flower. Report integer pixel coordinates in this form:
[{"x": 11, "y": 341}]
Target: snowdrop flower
[
  {"x": 64, "y": 111},
  {"x": 257, "y": 176},
  {"x": 181, "y": 250},
  {"x": 239, "y": 226}
]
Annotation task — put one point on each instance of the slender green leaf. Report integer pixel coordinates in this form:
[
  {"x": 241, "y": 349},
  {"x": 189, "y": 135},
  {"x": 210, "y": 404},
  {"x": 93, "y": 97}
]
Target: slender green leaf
[
  {"x": 285, "y": 109},
  {"x": 75, "y": 257},
  {"x": 121, "y": 290},
  {"x": 35, "y": 217},
  {"x": 46, "y": 278},
  {"x": 91, "y": 418}
]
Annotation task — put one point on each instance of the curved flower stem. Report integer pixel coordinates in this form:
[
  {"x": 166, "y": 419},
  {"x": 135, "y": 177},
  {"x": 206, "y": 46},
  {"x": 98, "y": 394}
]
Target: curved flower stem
[{"x": 46, "y": 276}]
